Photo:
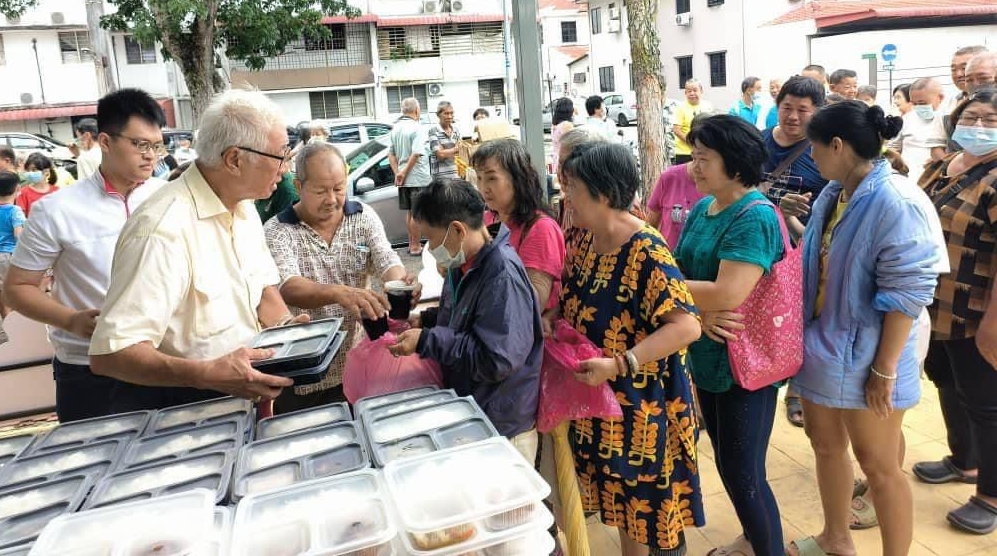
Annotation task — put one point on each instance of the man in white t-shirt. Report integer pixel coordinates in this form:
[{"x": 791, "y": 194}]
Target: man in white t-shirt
[
  {"x": 920, "y": 134},
  {"x": 88, "y": 159}
]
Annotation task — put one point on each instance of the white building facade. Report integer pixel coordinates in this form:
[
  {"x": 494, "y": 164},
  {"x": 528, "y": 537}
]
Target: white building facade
[{"x": 564, "y": 39}]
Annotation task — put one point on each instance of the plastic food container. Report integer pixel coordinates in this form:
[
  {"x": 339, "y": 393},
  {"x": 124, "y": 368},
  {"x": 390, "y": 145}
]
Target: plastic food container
[
  {"x": 302, "y": 420},
  {"x": 22, "y": 550},
  {"x": 474, "y": 495},
  {"x": 536, "y": 542},
  {"x": 370, "y": 402},
  {"x": 410, "y": 404},
  {"x": 79, "y": 433},
  {"x": 222, "y": 532},
  {"x": 181, "y": 524},
  {"x": 163, "y": 448},
  {"x": 313, "y": 374},
  {"x": 211, "y": 471},
  {"x": 426, "y": 427},
  {"x": 92, "y": 459},
  {"x": 284, "y": 460},
  {"x": 12, "y": 446},
  {"x": 24, "y": 512},
  {"x": 296, "y": 346},
  {"x": 345, "y": 515},
  {"x": 189, "y": 416}
]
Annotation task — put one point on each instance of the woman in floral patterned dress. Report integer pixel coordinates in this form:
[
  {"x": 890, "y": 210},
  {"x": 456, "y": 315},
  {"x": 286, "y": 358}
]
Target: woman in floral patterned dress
[{"x": 624, "y": 292}]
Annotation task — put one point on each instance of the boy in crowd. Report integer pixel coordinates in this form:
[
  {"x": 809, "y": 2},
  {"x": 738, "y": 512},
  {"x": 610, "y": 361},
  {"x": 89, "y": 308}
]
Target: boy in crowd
[
  {"x": 11, "y": 224},
  {"x": 845, "y": 82}
]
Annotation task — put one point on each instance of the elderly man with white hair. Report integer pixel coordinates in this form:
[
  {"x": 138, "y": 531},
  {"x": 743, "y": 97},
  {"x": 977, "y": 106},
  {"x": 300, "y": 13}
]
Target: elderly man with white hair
[
  {"x": 192, "y": 280},
  {"x": 981, "y": 71},
  {"x": 409, "y": 159}
]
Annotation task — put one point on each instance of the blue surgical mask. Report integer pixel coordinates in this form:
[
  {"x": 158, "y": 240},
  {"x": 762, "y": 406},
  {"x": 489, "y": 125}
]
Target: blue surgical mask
[
  {"x": 443, "y": 256},
  {"x": 34, "y": 176},
  {"x": 756, "y": 97},
  {"x": 976, "y": 140},
  {"x": 925, "y": 111}
]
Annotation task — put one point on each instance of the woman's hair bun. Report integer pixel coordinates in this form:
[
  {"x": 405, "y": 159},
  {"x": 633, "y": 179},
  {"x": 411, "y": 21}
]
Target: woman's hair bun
[{"x": 888, "y": 127}]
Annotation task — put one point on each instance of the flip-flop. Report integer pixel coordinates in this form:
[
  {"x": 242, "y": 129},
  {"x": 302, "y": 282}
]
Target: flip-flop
[
  {"x": 731, "y": 549},
  {"x": 809, "y": 547},
  {"x": 977, "y": 516},
  {"x": 794, "y": 411},
  {"x": 860, "y": 488},
  {"x": 866, "y": 515}
]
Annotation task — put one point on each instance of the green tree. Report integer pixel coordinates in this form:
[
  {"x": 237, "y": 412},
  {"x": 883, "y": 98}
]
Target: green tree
[
  {"x": 650, "y": 88},
  {"x": 192, "y": 32}
]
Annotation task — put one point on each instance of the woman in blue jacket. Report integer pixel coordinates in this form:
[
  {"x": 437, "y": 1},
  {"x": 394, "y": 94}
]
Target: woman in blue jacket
[{"x": 869, "y": 269}]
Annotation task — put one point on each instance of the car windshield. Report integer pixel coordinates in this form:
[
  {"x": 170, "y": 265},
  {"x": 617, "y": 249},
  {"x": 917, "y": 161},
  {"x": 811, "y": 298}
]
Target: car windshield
[
  {"x": 356, "y": 158},
  {"x": 51, "y": 139}
]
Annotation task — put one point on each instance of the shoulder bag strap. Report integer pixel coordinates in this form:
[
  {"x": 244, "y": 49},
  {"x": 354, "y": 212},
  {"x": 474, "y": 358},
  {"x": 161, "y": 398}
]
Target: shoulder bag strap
[
  {"x": 737, "y": 216},
  {"x": 968, "y": 179},
  {"x": 793, "y": 157}
]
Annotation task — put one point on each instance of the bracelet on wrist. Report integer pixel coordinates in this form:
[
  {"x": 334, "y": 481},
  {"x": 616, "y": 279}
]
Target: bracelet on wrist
[
  {"x": 621, "y": 365},
  {"x": 632, "y": 362},
  {"x": 873, "y": 370},
  {"x": 284, "y": 320}
]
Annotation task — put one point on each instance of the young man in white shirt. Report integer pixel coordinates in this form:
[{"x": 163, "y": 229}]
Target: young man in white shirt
[
  {"x": 920, "y": 134},
  {"x": 73, "y": 231},
  {"x": 89, "y": 153}
]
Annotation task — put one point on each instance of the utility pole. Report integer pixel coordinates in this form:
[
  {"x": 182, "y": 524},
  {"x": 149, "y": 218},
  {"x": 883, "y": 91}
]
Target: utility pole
[
  {"x": 100, "y": 48},
  {"x": 527, "y": 38}
]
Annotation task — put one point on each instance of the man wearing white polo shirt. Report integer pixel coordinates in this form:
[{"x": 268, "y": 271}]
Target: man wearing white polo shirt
[{"x": 73, "y": 231}]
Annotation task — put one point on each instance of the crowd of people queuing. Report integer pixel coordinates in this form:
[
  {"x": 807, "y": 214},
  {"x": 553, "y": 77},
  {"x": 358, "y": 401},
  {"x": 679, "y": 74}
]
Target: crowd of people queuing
[{"x": 156, "y": 286}]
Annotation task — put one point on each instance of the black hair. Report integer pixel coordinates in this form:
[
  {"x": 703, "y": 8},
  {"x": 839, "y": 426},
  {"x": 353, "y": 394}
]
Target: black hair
[
  {"x": 985, "y": 95},
  {"x": 840, "y": 75},
  {"x": 834, "y": 98},
  {"x": 592, "y": 104},
  {"x": 8, "y": 153},
  {"x": 114, "y": 110},
  {"x": 802, "y": 87},
  {"x": 179, "y": 170},
  {"x": 606, "y": 169},
  {"x": 304, "y": 133},
  {"x": 739, "y": 144},
  {"x": 903, "y": 90},
  {"x": 564, "y": 111},
  {"x": 8, "y": 183},
  {"x": 512, "y": 156},
  {"x": 748, "y": 83},
  {"x": 445, "y": 200},
  {"x": 42, "y": 162},
  {"x": 863, "y": 127},
  {"x": 480, "y": 112},
  {"x": 867, "y": 90},
  {"x": 87, "y": 125},
  {"x": 817, "y": 68}
]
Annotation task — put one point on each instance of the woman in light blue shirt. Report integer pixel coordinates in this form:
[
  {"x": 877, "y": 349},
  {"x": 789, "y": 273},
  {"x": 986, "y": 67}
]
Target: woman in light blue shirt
[{"x": 869, "y": 269}]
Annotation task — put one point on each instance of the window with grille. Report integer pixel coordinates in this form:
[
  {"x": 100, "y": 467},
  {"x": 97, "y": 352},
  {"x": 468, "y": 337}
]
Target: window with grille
[
  {"x": 579, "y": 77},
  {"x": 491, "y": 92},
  {"x": 397, "y": 93},
  {"x": 595, "y": 20},
  {"x": 3, "y": 56},
  {"x": 569, "y": 31},
  {"x": 718, "y": 69},
  {"x": 607, "y": 80},
  {"x": 683, "y": 6},
  {"x": 685, "y": 69},
  {"x": 75, "y": 47},
  {"x": 405, "y": 43},
  {"x": 335, "y": 41},
  {"x": 714, "y": 3},
  {"x": 136, "y": 53},
  {"x": 348, "y": 103}
]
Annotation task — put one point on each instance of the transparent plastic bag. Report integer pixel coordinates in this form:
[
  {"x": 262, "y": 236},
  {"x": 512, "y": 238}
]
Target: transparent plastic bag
[
  {"x": 371, "y": 370},
  {"x": 562, "y": 397}
]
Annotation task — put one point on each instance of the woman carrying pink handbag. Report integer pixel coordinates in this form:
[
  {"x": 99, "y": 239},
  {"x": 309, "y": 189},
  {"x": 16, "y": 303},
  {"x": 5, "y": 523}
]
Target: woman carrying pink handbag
[{"x": 733, "y": 246}]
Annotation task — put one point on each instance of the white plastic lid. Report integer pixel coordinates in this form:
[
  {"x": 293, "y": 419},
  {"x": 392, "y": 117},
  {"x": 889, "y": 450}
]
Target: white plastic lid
[
  {"x": 370, "y": 402},
  {"x": 148, "y": 479},
  {"x": 177, "y": 524},
  {"x": 222, "y": 532},
  {"x": 457, "y": 486},
  {"x": 302, "y": 420},
  {"x": 225, "y": 435},
  {"x": 337, "y": 515},
  {"x": 264, "y": 453},
  {"x": 401, "y": 425},
  {"x": 533, "y": 542},
  {"x": 192, "y": 414},
  {"x": 410, "y": 404},
  {"x": 94, "y": 429},
  {"x": 49, "y": 464},
  {"x": 30, "y": 499}
]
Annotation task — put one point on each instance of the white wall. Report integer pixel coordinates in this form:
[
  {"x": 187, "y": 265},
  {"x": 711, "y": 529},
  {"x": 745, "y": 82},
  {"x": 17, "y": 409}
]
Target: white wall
[
  {"x": 153, "y": 78},
  {"x": 609, "y": 49},
  {"x": 551, "y": 22},
  {"x": 73, "y": 13},
  {"x": 63, "y": 82},
  {"x": 581, "y": 89},
  {"x": 414, "y": 7},
  {"x": 295, "y": 106}
]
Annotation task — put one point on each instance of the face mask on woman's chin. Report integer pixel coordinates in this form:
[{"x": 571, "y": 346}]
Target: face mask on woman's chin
[
  {"x": 978, "y": 141},
  {"x": 443, "y": 256}
]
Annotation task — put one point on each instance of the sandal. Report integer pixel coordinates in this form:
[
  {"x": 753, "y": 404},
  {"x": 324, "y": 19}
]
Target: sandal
[
  {"x": 860, "y": 488},
  {"x": 809, "y": 547},
  {"x": 733, "y": 549},
  {"x": 864, "y": 515},
  {"x": 794, "y": 411},
  {"x": 977, "y": 516},
  {"x": 940, "y": 472}
]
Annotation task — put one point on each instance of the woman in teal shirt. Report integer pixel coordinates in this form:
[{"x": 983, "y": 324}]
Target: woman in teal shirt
[{"x": 732, "y": 237}]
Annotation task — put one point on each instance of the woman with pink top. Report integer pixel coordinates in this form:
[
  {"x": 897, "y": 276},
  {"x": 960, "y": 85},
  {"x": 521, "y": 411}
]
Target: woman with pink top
[{"x": 673, "y": 197}]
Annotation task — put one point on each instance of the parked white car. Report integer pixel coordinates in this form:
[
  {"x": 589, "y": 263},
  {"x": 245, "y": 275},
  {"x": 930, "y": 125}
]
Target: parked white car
[{"x": 621, "y": 108}]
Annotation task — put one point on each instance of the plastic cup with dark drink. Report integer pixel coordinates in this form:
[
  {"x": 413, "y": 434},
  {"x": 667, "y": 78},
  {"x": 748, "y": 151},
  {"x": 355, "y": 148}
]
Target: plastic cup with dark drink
[
  {"x": 376, "y": 328},
  {"x": 400, "y": 298}
]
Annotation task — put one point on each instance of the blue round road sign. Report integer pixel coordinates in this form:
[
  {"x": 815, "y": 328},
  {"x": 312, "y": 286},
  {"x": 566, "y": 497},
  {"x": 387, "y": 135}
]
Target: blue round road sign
[{"x": 889, "y": 52}]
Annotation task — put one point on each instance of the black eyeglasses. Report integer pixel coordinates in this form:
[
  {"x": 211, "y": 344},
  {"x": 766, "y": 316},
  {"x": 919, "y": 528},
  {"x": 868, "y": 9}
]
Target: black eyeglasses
[{"x": 283, "y": 157}]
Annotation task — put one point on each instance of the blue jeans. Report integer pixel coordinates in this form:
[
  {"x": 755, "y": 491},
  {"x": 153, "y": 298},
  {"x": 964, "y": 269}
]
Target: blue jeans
[{"x": 739, "y": 423}]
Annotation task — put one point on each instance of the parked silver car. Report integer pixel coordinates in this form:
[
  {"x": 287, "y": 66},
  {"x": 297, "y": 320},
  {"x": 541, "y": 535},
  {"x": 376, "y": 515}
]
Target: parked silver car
[
  {"x": 621, "y": 108},
  {"x": 372, "y": 181}
]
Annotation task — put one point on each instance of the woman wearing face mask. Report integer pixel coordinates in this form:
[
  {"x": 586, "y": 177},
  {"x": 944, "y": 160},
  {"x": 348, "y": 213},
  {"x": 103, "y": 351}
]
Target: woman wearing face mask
[
  {"x": 962, "y": 358},
  {"x": 40, "y": 177}
]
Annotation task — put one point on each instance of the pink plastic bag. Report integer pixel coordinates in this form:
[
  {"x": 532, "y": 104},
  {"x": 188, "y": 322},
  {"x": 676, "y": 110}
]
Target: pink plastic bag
[
  {"x": 562, "y": 397},
  {"x": 371, "y": 370}
]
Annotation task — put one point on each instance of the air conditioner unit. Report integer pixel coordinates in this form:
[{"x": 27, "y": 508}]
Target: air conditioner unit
[
  {"x": 456, "y": 6},
  {"x": 429, "y": 6},
  {"x": 614, "y": 13},
  {"x": 683, "y": 20},
  {"x": 615, "y": 26},
  {"x": 27, "y": 98},
  {"x": 58, "y": 18},
  {"x": 435, "y": 90}
]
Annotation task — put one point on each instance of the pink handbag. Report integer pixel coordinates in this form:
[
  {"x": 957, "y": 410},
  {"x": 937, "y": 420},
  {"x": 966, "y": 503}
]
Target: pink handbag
[{"x": 770, "y": 348}]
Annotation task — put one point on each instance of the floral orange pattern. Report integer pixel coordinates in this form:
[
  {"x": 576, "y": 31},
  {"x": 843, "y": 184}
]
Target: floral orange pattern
[{"x": 639, "y": 472}]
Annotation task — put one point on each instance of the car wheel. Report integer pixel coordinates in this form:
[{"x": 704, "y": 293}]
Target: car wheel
[{"x": 621, "y": 120}]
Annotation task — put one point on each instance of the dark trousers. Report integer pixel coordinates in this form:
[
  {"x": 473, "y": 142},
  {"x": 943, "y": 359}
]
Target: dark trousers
[
  {"x": 127, "y": 397},
  {"x": 739, "y": 423},
  {"x": 976, "y": 388},
  {"x": 288, "y": 401},
  {"x": 939, "y": 368},
  {"x": 80, "y": 394}
]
